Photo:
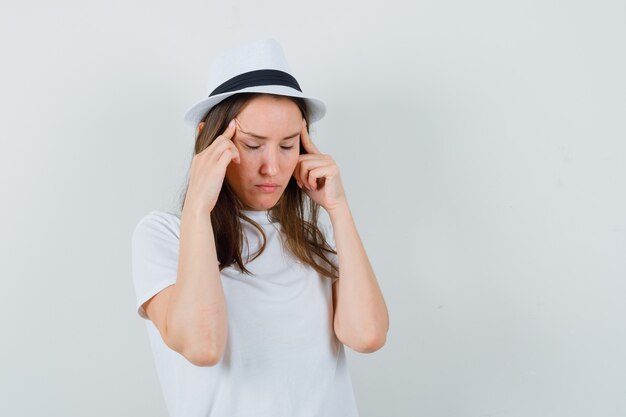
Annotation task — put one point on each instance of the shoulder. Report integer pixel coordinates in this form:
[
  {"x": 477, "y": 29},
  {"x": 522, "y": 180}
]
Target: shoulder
[{"x": 158, "y": 223}]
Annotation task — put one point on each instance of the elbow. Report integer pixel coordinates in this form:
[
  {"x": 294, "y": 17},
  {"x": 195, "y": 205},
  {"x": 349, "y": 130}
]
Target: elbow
[
  {"x": 202, "y": 357},
  {"x": 200, "y": 345},
  {"x": 368, "y": 344},
  {"x": 200, "y": 352},
  {"x": 371, "y": 344},
  {"x": 376, "y": 337},
  {"x": 364, "y": 341}
]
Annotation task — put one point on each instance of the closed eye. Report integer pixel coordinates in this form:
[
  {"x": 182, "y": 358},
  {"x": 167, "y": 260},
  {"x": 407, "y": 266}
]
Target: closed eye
[{"x": 257, "y": 147}]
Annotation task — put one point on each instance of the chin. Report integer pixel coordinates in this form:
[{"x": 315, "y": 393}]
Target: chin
[
  {"x": 260, "y": 201},
  {"x": 260, "y": 205}
]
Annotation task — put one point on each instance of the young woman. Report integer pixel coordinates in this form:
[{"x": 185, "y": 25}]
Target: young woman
[{"x": 248, "y": 298}]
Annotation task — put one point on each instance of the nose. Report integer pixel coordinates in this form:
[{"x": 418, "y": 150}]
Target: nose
[{"x": 270, "y": 162}]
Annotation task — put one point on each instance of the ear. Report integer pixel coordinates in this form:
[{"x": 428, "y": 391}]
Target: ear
[{"x": 200, "y": 127}]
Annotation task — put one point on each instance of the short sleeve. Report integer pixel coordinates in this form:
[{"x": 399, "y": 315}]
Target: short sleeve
[
  {"x": 155, "y": 242},
  {"x": 329, "y": 234}
]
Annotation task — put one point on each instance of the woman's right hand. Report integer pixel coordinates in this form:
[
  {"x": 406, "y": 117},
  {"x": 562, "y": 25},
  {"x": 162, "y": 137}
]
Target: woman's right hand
[{"x": 208, "y": 169}]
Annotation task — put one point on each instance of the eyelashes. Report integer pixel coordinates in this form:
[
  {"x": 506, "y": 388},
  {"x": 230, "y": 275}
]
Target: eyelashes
[{"x": 257, "y": 147}]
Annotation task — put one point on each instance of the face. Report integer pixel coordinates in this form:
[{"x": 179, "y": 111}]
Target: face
[{"x": 268, "y": 140}]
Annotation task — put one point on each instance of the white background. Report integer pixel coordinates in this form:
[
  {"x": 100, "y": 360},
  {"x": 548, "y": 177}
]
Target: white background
[{"x": 482, "y": 146}]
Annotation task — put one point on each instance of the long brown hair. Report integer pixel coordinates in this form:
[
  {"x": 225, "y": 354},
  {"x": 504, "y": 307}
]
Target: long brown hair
[{"x": 300, "y": 226}]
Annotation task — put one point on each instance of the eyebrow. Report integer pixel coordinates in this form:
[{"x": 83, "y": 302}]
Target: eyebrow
[{"x": 265, "y": 138}]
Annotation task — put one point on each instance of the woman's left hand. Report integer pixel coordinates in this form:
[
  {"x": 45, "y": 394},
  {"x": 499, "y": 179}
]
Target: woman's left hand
[{"x": 319, "y": 174}]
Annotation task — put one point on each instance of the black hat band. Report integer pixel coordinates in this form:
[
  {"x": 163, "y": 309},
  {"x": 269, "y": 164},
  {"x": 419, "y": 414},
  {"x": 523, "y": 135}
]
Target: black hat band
[{"x": 257, "y": 78}]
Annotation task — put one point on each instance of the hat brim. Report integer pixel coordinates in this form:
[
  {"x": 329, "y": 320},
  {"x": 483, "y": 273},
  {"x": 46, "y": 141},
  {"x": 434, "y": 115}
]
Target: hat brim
[{"x": 316, "y": 108}]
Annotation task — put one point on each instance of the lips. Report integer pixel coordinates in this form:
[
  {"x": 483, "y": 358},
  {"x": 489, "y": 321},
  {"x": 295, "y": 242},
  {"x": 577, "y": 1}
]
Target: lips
[{"x": 271, "y": 187}]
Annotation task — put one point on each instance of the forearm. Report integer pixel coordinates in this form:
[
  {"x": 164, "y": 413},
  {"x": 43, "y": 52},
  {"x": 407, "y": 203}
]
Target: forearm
[
  {"x": 361, "y": 317},
  {"x": 197, "y": 314}
]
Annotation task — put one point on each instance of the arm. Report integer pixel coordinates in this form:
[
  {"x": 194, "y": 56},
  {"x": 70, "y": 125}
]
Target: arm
[
  {"x": 360, "y": 314},
  {"x": 361, "y": 320},
  {"x": 197, "y": 314}
]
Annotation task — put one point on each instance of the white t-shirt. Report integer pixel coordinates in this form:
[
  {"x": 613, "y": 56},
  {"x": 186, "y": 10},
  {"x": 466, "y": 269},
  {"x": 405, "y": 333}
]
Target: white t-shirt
[{"x": 282, "y": 358}]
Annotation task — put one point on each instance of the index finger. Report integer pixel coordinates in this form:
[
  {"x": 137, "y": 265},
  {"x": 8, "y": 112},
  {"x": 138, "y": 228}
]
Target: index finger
[
  {"x": 230, "y": 130},
  {"x": 306, "y": 140}
]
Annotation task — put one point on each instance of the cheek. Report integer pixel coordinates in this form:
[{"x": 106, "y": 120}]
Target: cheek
[
  {"x": 293, "y": 159},
  {"x": 235, "y": 172},
  {"x": 247, "y": 174}
]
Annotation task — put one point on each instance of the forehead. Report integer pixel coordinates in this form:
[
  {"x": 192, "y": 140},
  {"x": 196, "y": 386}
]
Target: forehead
[{"x": 270, "y": 116}]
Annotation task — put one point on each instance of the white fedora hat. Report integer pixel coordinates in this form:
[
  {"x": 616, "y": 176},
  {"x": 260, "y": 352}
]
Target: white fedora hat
[{"x": 254, "y": 67}]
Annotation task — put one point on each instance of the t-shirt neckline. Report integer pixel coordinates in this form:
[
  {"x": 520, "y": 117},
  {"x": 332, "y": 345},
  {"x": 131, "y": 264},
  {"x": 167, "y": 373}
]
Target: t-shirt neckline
[{"x": 259, "y": 216}]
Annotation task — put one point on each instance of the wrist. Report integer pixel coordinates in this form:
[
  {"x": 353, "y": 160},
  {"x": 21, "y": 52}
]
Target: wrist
[
  {"x": 195, "y": 208},
  {"x": 339, "y": 210}
]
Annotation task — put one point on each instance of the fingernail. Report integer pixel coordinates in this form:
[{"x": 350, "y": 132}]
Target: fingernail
[
  {"x": 232, "y": 123},
  {"x": 299, "y": 184}
]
